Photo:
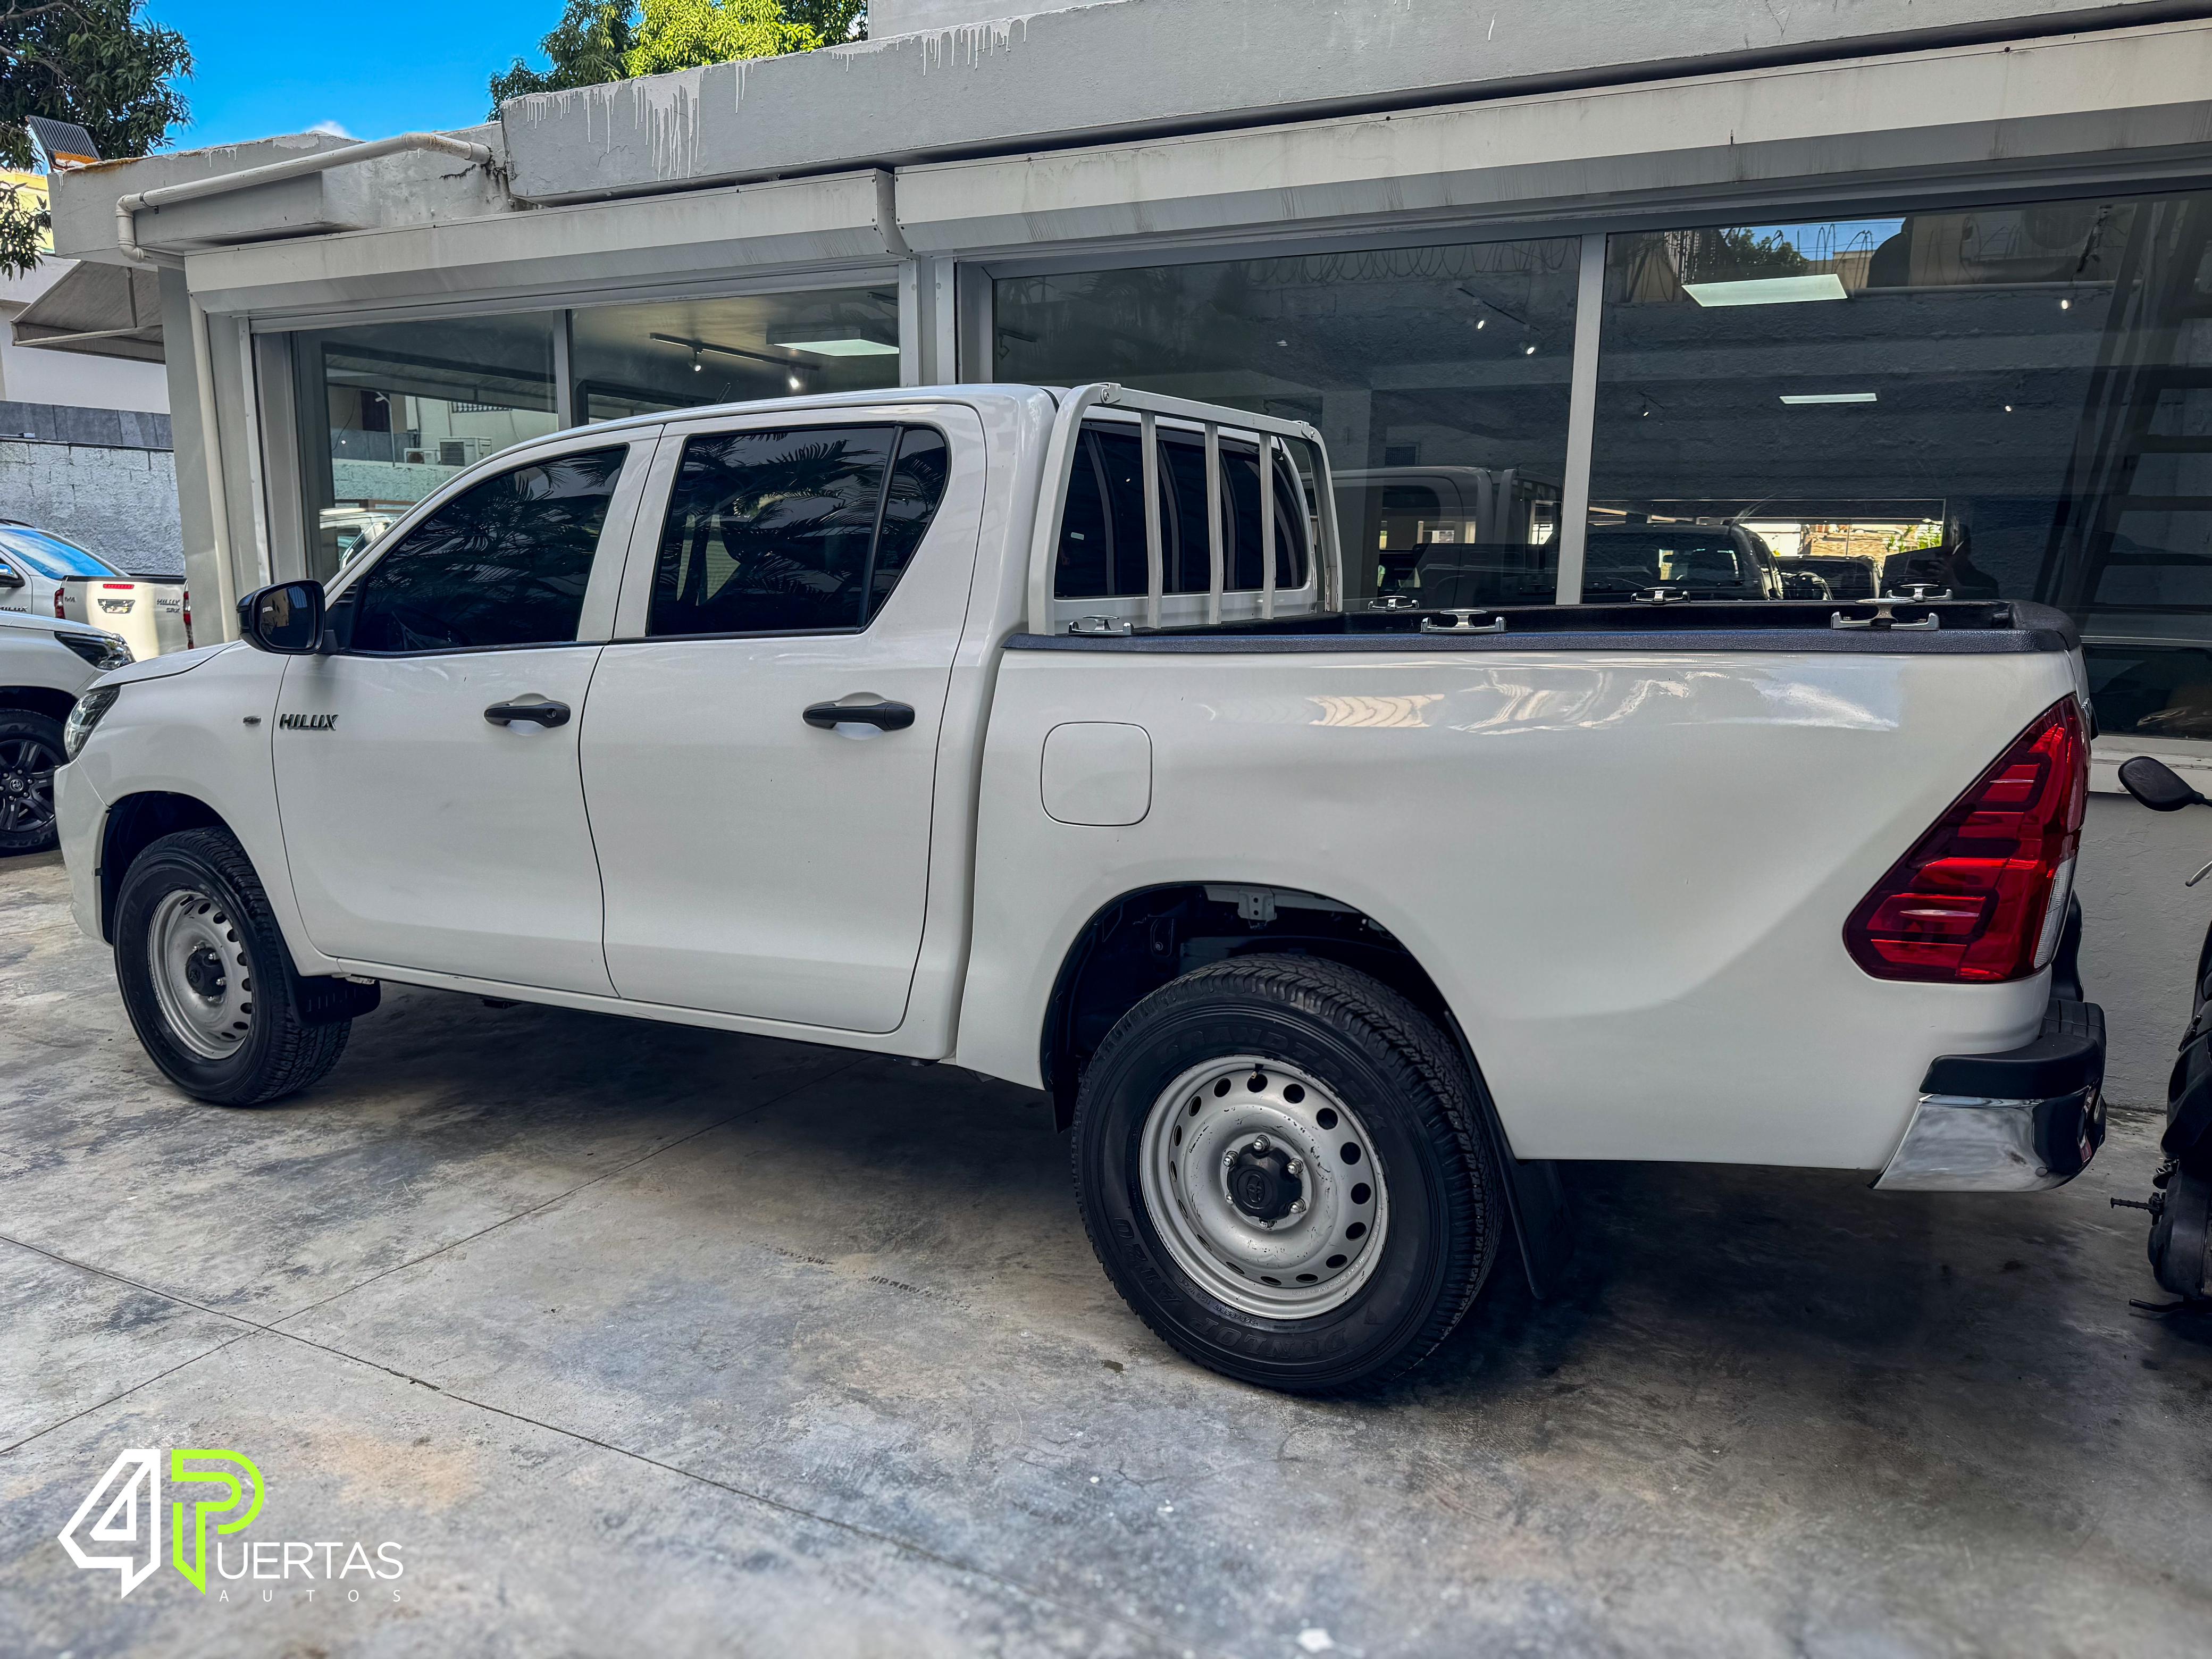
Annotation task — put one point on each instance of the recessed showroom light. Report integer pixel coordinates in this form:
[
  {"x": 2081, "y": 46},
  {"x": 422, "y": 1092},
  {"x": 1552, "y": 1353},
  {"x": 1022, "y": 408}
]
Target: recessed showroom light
[
  {"x": 837, "y": 343},
  {"x": 1828, "y": 397},
  {"x": 1768, "y": 290}
]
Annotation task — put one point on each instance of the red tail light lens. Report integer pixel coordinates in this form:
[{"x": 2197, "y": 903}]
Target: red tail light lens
[
  {"x": 58, "y": 612},
  {"x": 1980, "y": 899},
  {"x": 188, "y": 619}
]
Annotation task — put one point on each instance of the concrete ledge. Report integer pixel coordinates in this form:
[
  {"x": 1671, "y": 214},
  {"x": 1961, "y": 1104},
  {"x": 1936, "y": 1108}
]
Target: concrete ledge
[
  {"x": 2106, "y": 99},
  {"x": 832, "y": 222},
  {"x": 1132, "y": 67}
]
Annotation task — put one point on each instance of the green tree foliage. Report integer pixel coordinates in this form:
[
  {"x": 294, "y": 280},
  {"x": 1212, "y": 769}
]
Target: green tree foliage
[
  {"x": 599, "y": 40},
  {"x": 592, "y": 43},
  {"x": 93, "y": 62},
  {"x": 684, "y": 34}
]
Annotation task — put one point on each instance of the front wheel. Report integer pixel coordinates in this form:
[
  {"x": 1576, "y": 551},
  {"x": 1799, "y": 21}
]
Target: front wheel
[
  {"x": 206, "y": 978},
  {"x": 30, "y": 749},
  {"x": 1280, "y": 1166}
]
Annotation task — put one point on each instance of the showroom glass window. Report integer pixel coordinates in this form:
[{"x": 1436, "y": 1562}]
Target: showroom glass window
[
  {"x": 1438, "y": 376},
  {"x": 679, "y": 354},
  {"x": 2008, "y": 401},
  {"x": 389, "y": 412}
]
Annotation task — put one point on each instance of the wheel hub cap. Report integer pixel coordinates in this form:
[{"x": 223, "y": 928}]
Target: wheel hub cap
[
  {"x": 1262, "y": 1184},
  {"x": 1263, "y": 1181}
]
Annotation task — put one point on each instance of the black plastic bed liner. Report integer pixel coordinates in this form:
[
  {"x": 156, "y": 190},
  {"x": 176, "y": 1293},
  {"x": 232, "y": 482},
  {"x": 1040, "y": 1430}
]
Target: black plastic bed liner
[{"x": 1962, "y": 628}]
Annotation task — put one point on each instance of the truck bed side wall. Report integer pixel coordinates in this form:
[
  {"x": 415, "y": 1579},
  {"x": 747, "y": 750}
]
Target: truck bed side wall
[{"x": 1627, "y": 873}]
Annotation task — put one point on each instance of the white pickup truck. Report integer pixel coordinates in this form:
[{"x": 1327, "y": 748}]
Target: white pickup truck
[{"x": 1026, "y": 730}]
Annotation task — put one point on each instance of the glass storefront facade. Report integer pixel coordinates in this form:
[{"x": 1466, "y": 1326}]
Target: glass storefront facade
[
  {"x": 2013, "y": 401},
  {"x": 2006, "y": 401},
  {"x": 1438, "y": 376},
  {"x": 389, "y": 411},
  {"x": 2009, "y": 401}
]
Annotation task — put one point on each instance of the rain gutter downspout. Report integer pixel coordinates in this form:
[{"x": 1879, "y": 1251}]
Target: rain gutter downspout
[{"x": 127, "y": 209}]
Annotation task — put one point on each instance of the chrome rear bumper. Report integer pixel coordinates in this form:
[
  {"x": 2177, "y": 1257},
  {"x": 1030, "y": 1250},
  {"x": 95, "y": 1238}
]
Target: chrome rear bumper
[{"x": 2015, "y": 1122}]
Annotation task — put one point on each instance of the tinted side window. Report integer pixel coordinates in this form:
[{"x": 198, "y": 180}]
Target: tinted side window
[
  {"x": 505, "y": 563},
  {"x": 909, "y": 503},
  {"x": 805, "y": 530}
]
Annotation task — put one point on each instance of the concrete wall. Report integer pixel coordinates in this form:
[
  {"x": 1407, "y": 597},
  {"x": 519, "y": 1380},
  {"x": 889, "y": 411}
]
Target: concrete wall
[
  {"x": 1130, "y": 67},
  {"x": 889, "y": 17},
  {"x": 120, "y": 502}
]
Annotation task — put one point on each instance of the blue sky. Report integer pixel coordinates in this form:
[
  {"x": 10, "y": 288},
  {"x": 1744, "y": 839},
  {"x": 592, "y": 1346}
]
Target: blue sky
[{"x": 267, "y": 69}]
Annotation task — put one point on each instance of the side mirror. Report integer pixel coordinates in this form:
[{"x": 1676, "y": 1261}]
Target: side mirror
[
  {"x": 287, "y": 618},
  {"x": 2155, "y": 784},
  {"x": 10, "y": 578}
]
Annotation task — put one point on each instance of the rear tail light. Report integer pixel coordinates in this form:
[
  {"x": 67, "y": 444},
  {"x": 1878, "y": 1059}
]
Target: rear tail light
[
  {"x": 1982, "y": 897},
  {"x": 188, "y": 619},
  {"x": 58, "y": 612}
]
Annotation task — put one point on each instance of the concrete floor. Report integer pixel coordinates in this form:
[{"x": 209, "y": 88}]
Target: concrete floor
[{"x": 642, "y": 1340}]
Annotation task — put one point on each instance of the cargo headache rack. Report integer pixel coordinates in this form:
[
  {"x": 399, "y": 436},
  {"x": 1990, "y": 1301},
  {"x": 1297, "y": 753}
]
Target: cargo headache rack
[{"x": 1275, "y": 443}]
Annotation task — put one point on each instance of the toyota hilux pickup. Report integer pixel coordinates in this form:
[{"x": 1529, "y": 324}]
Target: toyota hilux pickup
[{"x": 1032, "y": 731}]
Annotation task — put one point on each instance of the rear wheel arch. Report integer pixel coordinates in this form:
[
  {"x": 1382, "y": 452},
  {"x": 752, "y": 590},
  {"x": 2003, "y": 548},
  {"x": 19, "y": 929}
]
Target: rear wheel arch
[
  {"x": 1143, "y": 939},
  {"x": 136, "y": 823}
]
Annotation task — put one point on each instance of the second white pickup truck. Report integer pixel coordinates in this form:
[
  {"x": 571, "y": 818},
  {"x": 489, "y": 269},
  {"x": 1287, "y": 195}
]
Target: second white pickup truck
[{"x": 1027, "y": 730}]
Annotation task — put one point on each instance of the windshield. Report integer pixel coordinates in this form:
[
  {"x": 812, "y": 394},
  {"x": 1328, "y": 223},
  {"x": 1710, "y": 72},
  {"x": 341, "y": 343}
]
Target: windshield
[{"x": 50, "y": 556}]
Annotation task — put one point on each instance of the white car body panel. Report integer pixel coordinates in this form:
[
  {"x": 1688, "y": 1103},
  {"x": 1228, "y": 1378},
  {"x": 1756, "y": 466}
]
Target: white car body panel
[
  {"x": 187, "y": 733},
  {"x": 794, "y": 884},
  {"x": 440, "y": 840},
  {"x": 1626, "y": 871}
]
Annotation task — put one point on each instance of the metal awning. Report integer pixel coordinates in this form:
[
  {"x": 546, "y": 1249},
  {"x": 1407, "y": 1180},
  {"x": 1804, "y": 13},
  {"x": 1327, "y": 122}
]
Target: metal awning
[{"x": 105, "y": 311}]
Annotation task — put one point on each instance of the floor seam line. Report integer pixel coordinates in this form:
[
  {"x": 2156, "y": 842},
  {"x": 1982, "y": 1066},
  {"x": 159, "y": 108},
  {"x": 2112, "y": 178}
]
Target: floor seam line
[
  {"x": 102, "y": 1405},
  {"x": 888, "y": 1539}
]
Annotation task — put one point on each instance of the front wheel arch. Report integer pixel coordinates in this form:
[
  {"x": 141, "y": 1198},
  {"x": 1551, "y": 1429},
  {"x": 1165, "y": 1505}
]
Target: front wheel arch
[{"x": 136, "y": 823}]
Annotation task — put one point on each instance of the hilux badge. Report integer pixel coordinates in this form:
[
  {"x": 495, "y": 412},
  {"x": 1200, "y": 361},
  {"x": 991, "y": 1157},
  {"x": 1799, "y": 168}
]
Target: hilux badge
[{"x": 307, "y": 722}]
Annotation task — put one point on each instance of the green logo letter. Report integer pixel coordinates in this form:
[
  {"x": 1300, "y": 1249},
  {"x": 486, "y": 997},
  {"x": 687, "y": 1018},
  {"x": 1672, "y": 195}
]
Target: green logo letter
[{"x": 233, "y": 1498}]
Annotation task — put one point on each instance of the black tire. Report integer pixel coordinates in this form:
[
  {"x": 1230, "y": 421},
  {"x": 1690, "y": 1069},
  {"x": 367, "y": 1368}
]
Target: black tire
[
  {"x": 30, "y": 749},
  {"x": 1368, "y": 1046},
  {"x": 280, "y": 1052}
]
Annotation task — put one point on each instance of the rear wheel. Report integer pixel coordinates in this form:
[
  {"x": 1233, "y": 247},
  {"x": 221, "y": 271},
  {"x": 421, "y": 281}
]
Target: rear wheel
[
  {"x": 30, "y": 749},
  {"x": 207, "y": 980},
  {"x": 1280, "y": 1166}
]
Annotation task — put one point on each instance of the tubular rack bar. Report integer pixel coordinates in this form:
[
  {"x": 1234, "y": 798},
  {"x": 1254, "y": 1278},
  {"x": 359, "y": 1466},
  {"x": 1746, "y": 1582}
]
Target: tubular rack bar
[{"x": 1271, "y": 436}]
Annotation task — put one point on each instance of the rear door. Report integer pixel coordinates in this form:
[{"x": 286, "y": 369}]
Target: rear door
[
  {"x": 760, "y": 854},
  {"x": 427, "y": 771}
]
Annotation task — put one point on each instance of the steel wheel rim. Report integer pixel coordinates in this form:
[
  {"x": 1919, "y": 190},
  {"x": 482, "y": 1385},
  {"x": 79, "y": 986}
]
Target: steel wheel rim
[
  {"x": 27, "y": 784},
  {"x": 1302, "y": 1265},
  {"x": 202, "y": 977}
]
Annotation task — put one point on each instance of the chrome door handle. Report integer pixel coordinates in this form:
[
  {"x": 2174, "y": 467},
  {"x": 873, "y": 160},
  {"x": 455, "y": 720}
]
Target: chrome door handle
[
  {"x": 884, "y": 716},
  {"x": 547, "y": 713}
]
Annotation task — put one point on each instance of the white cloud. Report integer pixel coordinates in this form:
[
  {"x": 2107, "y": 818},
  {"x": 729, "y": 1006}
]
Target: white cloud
[{"x": 335, "y": 128}]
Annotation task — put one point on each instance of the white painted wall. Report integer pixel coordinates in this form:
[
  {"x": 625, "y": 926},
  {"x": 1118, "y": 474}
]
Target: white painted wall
[
  {"x": 29, "y": 375},
  {"x": 889, "y": 17}
]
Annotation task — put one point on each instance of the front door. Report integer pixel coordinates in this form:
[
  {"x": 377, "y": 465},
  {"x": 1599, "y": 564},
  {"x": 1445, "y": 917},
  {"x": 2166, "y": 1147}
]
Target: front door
[
  {"x": 426, "y": 771},
  {"x": 763, "y": 852}
]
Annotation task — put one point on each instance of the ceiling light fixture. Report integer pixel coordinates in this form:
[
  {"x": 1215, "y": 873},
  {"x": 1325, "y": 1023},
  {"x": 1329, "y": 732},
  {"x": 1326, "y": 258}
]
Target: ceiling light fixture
[
  {"x": 1768, "y": 290},
  {"x": 1828, "y": 397},
  {"x": 1528, "y": 350},
  {"x": 832, "y": 340},
  {"x": 792, "y": 381},
  {"x": 2066, "y": 305}
]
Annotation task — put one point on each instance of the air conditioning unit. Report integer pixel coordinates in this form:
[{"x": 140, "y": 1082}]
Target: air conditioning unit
[{"x": 452, "y": 452}]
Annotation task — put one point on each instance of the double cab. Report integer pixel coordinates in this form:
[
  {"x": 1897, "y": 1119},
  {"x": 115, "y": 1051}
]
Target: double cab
[{"x": 1033, "y": 730}]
